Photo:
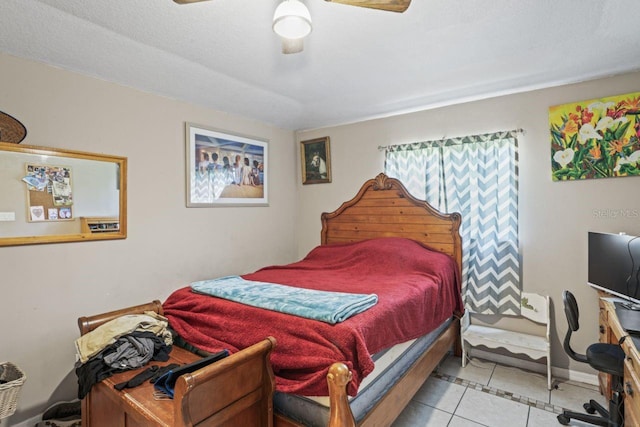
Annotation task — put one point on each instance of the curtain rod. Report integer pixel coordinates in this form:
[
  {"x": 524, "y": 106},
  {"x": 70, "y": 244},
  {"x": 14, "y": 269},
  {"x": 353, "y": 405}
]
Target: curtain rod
[{"x": 444, "y": 138}]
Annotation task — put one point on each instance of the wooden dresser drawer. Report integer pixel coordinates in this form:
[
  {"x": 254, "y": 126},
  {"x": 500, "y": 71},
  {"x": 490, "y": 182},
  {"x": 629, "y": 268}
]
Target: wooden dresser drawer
[{"x": 632, "y": 393}]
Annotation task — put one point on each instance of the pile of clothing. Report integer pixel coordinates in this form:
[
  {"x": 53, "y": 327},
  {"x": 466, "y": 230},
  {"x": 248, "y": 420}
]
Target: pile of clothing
[{"x": 126, "y": 342}]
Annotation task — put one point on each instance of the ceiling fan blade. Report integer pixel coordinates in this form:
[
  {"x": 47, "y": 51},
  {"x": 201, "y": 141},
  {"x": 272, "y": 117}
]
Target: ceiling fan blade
[
  {"x": 389, "y": 5},
  {"x": 187, "y": 1}
]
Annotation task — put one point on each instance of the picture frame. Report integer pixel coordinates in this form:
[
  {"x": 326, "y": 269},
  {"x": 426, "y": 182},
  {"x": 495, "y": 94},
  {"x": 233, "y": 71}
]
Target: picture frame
[
  {"x": 315, "y": 158},
  {"x": 596, "y": 138},
  {"x": 225, "y": 169}
]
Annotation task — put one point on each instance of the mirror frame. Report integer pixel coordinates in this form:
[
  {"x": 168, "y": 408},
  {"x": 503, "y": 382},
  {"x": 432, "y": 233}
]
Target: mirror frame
[{"x": 79, "y": 237}]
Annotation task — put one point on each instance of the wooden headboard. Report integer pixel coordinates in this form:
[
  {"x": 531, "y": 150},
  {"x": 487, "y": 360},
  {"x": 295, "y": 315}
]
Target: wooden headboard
[{"x": 384, "y": 208}]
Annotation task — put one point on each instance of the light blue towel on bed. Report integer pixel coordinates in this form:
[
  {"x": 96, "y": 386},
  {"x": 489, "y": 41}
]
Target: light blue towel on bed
[{"x": 329, "y": 307}]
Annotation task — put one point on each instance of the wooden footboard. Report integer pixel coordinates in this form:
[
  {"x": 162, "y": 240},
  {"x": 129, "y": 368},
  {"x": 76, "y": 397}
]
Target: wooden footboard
[
  {"x": 394, "y": 402},
  {"x": 396, "y": 399}
]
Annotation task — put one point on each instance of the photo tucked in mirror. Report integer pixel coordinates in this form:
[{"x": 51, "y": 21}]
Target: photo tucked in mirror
[{"x": 49, "y": 195}]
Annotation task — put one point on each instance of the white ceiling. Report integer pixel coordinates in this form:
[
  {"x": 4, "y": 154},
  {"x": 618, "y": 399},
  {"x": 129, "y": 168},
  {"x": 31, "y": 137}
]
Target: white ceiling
[{"x": 357, "y": 63}]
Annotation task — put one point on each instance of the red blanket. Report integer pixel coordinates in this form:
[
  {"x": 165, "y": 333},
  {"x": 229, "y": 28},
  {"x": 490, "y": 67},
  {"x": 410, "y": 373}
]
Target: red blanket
[{"x": 418, "y": 288}]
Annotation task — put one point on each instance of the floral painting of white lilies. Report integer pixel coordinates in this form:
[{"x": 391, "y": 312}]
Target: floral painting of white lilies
[{"x": 599, "y": 138}]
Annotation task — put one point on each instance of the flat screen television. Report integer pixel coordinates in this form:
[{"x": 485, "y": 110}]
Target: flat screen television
[{"x": 614, "y": 265}]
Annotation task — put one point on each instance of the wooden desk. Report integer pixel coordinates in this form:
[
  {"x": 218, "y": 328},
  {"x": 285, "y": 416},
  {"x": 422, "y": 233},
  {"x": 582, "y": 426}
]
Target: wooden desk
[{"x": 611, "y": 332}]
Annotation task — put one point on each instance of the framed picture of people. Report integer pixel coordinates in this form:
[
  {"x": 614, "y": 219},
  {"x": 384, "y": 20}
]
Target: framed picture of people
[
  {"x": 316, "y": 161},
  {"x": 225, "y": 169}
]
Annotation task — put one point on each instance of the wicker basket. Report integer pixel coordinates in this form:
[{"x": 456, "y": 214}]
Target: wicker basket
[{"x": 11, "y": 382}]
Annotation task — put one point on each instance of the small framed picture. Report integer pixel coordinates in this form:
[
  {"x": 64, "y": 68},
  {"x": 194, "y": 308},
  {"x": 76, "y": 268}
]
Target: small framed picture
[
  {"x": 37, "y": 213},
  {"x": 316, "y": 161},
  {"x": 65, "y": 213},
  {"x": 225, "y": 169}
]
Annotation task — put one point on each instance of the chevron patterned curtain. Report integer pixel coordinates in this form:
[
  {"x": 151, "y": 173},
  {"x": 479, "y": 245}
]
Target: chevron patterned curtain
[{"x": 478, "y": 177}]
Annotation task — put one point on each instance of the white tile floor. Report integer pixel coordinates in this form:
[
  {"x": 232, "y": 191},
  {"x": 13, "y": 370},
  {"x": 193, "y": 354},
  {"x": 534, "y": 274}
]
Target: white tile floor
[{"x": 485, "y": 394}]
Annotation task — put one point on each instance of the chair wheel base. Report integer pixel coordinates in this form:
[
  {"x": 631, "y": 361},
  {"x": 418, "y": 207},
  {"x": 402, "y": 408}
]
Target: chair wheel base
[
  {"x": 589, "y": 408},
  {"x": 563, "y": 419}
]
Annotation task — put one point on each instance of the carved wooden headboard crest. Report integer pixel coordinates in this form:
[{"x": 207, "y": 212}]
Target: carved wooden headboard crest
[{"x": 382, "y": 182}]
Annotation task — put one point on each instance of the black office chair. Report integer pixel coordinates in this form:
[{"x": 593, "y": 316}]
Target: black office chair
[{"x": 607, "y": 358}]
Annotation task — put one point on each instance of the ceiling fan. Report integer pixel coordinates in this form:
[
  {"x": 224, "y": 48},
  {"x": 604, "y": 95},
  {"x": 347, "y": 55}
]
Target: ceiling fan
[{"x": 292, "y": 20}]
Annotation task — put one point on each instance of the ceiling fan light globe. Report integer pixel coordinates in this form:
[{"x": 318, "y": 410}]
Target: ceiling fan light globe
[
  {"x": 290, "y": 46},
  {"x": 292, "y": 20}
]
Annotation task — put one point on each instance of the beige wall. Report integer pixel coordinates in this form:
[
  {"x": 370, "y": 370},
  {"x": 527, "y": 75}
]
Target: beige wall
[
  {"x": 45, "y": 288},
  {"x": 554, "y": 216}
]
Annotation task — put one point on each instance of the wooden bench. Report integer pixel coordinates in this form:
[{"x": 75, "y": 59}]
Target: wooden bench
[
  {"x": 534, "y": 308},
  {"x": 236, "y": 391}
]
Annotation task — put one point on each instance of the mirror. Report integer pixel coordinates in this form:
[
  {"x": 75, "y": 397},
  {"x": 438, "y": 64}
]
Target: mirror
[{"x": 48, "y": 195}]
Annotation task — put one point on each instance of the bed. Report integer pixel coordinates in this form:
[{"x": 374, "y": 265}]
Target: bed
[{"x": 382, "y": 217}]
